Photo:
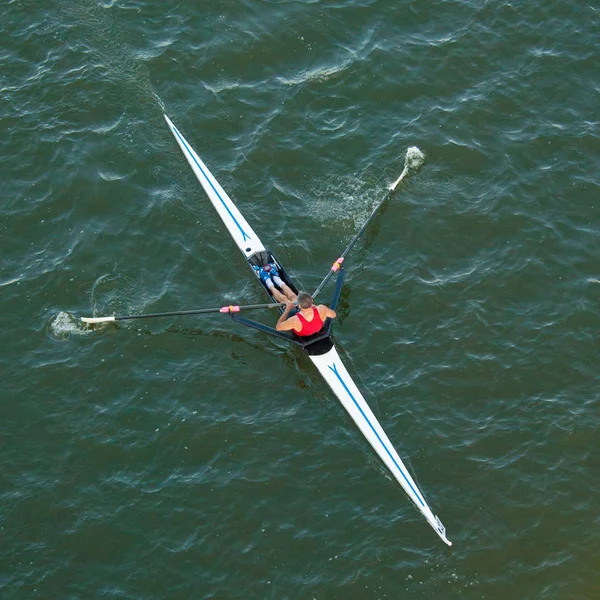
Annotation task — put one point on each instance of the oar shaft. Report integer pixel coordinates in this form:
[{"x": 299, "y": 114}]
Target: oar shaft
[
  {"x": 338, "y": 263},
  {"x": 362, "y": 229},
  {"x": 180, "y": 313}
]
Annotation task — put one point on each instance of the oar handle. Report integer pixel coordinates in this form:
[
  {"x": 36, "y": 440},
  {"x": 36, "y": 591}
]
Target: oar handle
[{"x": 336, "y": 266}]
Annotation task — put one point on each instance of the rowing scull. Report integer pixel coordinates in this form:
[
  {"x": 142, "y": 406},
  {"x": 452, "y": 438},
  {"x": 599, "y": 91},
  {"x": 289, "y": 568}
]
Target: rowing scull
[{"x": 320, "y": 348}]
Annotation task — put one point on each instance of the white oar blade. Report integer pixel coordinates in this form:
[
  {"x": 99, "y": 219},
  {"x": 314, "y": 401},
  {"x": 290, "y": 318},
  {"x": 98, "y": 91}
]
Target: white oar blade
[
  {"x": 93, "y": 320},
  {"x": 395, "y": 184}
]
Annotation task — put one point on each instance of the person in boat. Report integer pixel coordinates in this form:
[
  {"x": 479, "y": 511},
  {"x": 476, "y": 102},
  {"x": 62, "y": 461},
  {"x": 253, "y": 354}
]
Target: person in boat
[
  {"x": 269, "y": 275},
  {"x": 308, "y": 320}
]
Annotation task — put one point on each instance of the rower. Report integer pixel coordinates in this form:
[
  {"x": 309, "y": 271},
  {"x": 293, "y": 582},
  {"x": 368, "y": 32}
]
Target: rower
[
  {"x": 308, "y": 320},
  {"x": 269, "y": 275}
]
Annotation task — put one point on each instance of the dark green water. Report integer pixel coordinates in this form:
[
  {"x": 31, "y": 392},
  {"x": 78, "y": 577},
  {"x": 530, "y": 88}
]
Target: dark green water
[{"x": 188, "y": 458}]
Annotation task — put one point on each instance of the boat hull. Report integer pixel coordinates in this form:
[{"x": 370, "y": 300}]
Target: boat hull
[
  {"x": 319, "y": 347},
  {"x": 243, "y": 235},
  {"x": 334, "y": 372}
]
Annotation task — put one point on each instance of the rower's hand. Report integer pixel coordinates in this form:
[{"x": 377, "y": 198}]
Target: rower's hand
[{"x": 289, "y": 305}]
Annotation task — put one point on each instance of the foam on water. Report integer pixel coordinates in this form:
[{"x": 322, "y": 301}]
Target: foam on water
[
  {"x": 345, "y": 200},
  {"x": 64, "y": 325},
  {"x": 414, "y": 158}
]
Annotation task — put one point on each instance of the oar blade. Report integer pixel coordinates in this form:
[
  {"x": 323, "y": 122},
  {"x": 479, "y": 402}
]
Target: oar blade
[
  {"x": 94, "y": 320},
  {"x": 397, "y": 182}
]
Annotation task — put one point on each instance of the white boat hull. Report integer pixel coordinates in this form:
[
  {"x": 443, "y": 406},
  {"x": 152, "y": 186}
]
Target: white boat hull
[
  {"x": 329, "y": 364},
  {"x": 241, "y": 232},
  {"x": 335, "y": 374}
]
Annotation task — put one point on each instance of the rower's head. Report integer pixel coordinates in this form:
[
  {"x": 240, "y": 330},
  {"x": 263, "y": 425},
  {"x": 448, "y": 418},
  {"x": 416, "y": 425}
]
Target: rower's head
[{"x": 305, "y": 300}]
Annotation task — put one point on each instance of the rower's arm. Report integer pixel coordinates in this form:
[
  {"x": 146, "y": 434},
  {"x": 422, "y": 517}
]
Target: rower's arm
[
  {"x": 326, "y": 312},
  {"x": 285, "y": 323}
]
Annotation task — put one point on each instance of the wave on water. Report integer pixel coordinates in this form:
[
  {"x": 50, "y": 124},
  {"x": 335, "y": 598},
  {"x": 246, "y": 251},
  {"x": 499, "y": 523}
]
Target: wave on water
[
  {"x": 111, "y": 294},
  {"x": 103, "y": 36}
]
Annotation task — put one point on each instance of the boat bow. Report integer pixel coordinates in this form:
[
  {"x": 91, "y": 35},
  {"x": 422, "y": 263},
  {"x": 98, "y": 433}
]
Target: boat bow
[{"x": 241, "y": 232}]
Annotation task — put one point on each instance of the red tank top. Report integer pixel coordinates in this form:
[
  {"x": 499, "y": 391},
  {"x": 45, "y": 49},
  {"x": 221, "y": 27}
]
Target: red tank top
[{"x": 310, "y": 327}]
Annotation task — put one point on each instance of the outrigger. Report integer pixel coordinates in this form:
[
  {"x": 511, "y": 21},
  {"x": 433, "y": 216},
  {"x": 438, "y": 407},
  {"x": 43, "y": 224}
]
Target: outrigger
[{"x": 319, "y": 347}]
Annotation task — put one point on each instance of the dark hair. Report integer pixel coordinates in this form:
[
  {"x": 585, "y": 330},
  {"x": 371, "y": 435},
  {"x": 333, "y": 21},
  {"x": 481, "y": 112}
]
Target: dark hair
[{"x": 305, "y": 300}]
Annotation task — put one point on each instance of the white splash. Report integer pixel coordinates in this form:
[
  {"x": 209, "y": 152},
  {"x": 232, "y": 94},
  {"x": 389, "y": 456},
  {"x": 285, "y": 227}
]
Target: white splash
[
  {"x": 345, "y": 201},
  {"x": 64, "y": 325},
  {"x": 414, "y": 158}
]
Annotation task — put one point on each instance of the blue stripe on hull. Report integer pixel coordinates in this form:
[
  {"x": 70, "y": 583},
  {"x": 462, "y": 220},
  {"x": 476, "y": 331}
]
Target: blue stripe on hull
[
  {"x": 333, "y": 368},
  {"x": 244, "y": 234}
]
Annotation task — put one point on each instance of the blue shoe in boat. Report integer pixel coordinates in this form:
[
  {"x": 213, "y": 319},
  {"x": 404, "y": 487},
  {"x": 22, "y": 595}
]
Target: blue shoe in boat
[{"x": 266, "y": 272}]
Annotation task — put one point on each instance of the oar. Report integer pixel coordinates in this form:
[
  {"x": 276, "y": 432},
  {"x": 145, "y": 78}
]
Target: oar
[
  {"x": 414, "y": 159},
  {"x": 198, "y": 311}
]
